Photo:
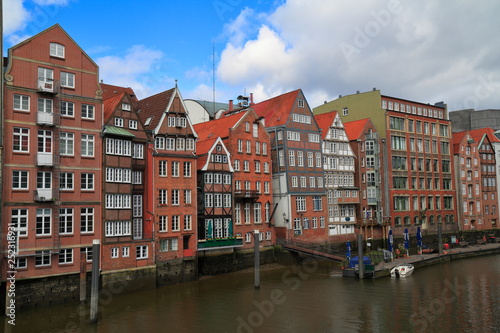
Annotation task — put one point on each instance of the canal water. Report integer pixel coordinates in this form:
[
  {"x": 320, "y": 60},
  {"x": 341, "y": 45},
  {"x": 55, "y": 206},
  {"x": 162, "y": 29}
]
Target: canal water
[{"x": 460, "y": 296}]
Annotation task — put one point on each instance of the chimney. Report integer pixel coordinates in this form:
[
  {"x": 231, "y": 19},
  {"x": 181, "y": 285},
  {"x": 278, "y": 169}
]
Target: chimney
[
  {"x": 251, "y": 98},
  {"x": 230, "y": 105}
]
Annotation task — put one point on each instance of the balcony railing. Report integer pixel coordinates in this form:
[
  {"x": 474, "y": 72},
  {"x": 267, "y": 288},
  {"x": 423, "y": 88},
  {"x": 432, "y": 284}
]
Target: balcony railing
[
  {"x": 246, "y": 194},
  {"x": 348, "y": 200},
  {"x": 45, "y": 195},
  {"x": 44, "y": 159},
  {"x": 47, "y": 86},
  {"x": 45, "y": 118}
]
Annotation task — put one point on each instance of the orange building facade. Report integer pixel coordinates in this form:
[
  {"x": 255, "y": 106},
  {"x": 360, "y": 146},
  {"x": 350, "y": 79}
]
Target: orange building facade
[{"x": 171, "y": 175}]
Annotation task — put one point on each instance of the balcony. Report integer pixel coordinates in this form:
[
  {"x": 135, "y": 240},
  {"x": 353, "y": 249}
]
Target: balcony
[
  {"x": 348, "y": 200},
  {"x": 44, "y": 159},
  {"x": 211, "y": 244},
  {"x": 45, "y": 118},
  {"x": 47, "y": 86},
  {"x": 372, "y": 201},
  {"x": 246, "y": 194},
  {"x": 44, "y": 195}
]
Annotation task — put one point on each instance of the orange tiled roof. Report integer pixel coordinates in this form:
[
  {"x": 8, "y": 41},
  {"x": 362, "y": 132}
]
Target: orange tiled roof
[
  {"x": 209, "y": 131},
  {"x": 477, "y": 134},
  {"x": 110, "y": 105},
  {"x": 277, "y": 109},
  {"x": 354, "y": 129},
  {"x": 457, "y": 138},
  {"x": 154, "y": 106},
  {"x": 324, "y": 121}
]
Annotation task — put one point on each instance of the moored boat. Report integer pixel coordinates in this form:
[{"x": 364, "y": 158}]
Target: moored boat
[{"x": 402, "y": 270}]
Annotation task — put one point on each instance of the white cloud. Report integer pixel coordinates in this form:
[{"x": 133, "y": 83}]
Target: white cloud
[
  {"x": 137, "y": 68},
  {"x": 22, "y": 20},
  {"x": 420, "y": 50},
  {"x": 15, "y": 16},
  {"x": 51, "y": 2}
]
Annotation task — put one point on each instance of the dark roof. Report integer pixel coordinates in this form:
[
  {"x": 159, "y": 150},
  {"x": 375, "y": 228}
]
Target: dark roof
[
  {"x": 154, "y": 106},
  {"x": 109, "y": 91}
]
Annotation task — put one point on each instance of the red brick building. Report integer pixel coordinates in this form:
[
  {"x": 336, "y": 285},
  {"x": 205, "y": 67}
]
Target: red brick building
[
  {"x": 298, "y": 189},
  {"x": 171, "y": 175},
  {"x": 52, "y": 148},
  {"x": 468, "y": 180},
  {"x": 489, "y": 193},
  {"x": 248, "y": 143},
  {"x": 417, "y": 148},
  {"x": 366, "y": 145},
  {"x": 127, "y": 237}
]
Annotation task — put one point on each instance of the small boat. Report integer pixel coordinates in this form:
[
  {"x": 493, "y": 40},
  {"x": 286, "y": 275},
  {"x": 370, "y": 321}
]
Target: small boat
[{"x": 402, "y": 270}]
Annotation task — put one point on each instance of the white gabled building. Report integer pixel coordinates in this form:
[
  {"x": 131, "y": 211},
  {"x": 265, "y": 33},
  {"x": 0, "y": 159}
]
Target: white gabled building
[{"x": 338, "y": 164}]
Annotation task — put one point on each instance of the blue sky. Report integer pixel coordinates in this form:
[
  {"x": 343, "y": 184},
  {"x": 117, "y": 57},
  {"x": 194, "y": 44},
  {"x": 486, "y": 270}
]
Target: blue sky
[{"x": 425, "y": 50}]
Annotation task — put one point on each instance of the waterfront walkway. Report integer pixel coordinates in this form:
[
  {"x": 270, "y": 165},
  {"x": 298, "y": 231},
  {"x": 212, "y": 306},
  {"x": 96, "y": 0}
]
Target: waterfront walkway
[{"x": 422, "y": 260}]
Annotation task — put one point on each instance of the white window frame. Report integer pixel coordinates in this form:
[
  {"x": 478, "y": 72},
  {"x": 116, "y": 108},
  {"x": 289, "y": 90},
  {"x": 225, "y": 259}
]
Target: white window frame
[
  {"x": 87, "y": 145},
  {"x": 67, "y": 80},
  {"x": 141, "y": 252},
  {"x": 88, "y": 111},
  {"x": 65, "y": 256},
  {"x": 87, "y": 220},
  {"x": 57, "y": 50},
  {"x": 22, "y": 102},
  {"x": 118, "y": 122}
]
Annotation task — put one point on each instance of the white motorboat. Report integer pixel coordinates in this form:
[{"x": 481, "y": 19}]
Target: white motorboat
[{"x": 402, "y": 270}]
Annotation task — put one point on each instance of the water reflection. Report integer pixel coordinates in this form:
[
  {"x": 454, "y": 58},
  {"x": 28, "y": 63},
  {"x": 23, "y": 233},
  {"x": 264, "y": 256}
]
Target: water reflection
[{"x": 461, "y": 296}]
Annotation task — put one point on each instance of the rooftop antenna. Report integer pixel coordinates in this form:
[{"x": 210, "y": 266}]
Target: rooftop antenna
[{"x": 213, "y": 74}]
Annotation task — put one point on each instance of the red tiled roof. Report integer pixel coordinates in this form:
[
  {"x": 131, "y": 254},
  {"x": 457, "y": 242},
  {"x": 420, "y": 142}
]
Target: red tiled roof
[
  {"x": 354, "y": 129},
  {"x": 209, "y": 131},
  {"x": 457, "y": 138},
  {"x": 111, "y": 104},
  {"x": 477, "y": 134},
  {"x": 277, "y": 109},
  {"x": 324, "y": 121},
  {"x": 109, "y": 91},
  {"x": 154, "y": 106}
]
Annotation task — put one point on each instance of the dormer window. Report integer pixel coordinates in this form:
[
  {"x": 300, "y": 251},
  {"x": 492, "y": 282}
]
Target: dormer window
[{"x": 57, "y": 50}]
